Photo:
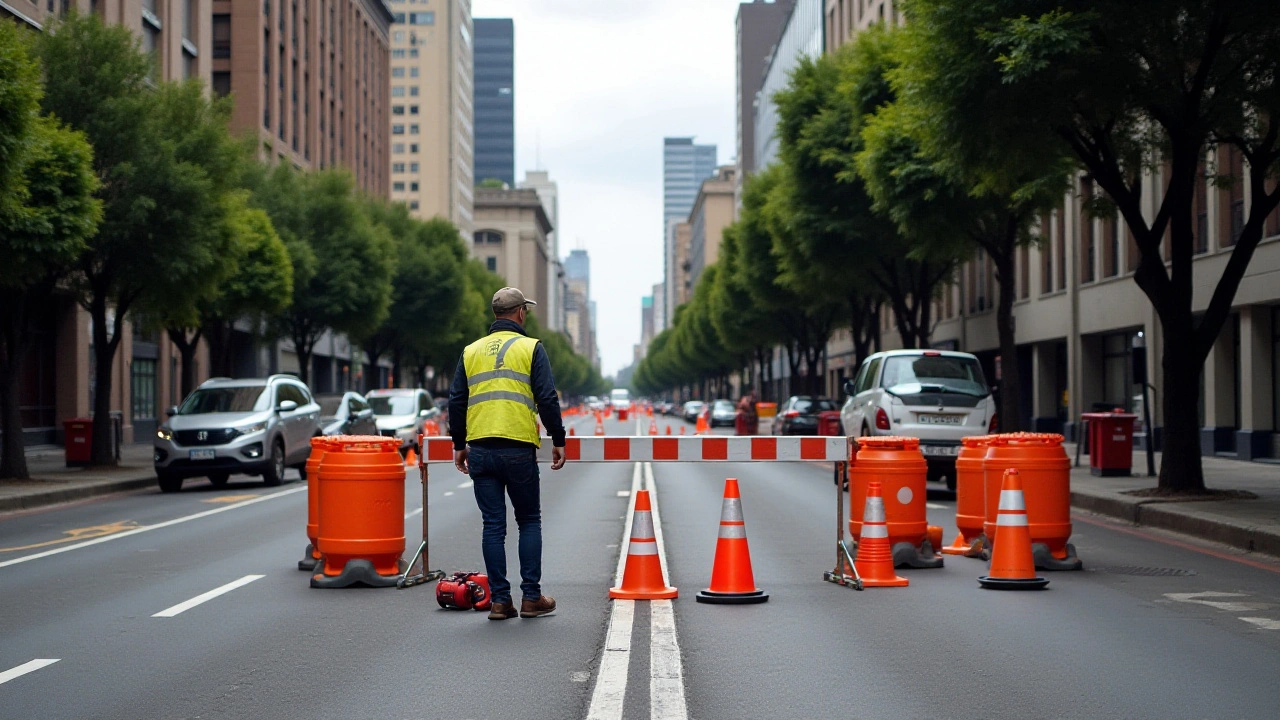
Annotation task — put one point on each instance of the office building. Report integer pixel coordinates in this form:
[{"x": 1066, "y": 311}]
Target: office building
[
  {"x": 802, "y": 37},
  {"x": 579, "y": 309},
  {"x": 846, "y": 17},
  {"x": 432, "y": 137},
  {"x": 540, "y": 182},
  {"x": 712, "y": 212},
  {"x": 511, "y": 239},
  {"x": 495, "y": 100},
  {"x": 758, "y": 27},
  {"x": 659, "y": 307},
  {"x": 646, "y": 323},
  {"x": 684, "y": 167}
]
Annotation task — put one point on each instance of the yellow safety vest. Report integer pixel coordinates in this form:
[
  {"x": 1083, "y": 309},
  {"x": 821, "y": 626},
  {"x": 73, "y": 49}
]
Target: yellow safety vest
[{"x": 500, "y": 400}]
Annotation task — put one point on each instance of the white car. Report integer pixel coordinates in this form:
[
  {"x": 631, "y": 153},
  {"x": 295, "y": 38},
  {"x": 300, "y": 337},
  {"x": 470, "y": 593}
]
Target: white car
[
  {"x": 403, "y": 413},
  {"x": 935, "y": 395}
]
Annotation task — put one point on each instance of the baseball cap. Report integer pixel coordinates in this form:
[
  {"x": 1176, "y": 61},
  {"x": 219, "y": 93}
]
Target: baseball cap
[{"x": 508, "y": 299}]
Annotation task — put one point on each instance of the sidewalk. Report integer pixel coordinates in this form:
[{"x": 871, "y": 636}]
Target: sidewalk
[
  {"x": 53, "y": 482},
  {"x": 1247, "y": 524}
]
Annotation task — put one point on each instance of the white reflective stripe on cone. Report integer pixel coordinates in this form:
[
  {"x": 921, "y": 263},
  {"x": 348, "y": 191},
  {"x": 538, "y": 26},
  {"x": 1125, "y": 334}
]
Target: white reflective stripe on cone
[
  {"x": 875, "y": 531},
  {"x": 1012, "y": 500},
  {"x": 874, "y": 512},
  {"x": 733, "y": 532},
  {"x": 1012, "y": 519},
  {"x": 642, "y": 526},
  {"x": 731, "y": 510},
  {"x": 643, "y": 547}
]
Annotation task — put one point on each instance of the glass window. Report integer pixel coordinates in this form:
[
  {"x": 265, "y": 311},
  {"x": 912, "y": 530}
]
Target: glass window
[
  {"x": 491, "y": 263},
  {"x": 397, "y": 91},
  {"x": 397, "y": 72},
  {"x": 413, "y": 187},
  {"x": 413, "y": 205},
  {"x": 906, "y": 373},
  {"x": 142, "y": 375},
  {"x": 397, "y": 129},
  {"x": 245, "y": 398},
  {"x": 222, "y": 36},
  {"x": 330, "y": 407},
  {"x": 397, "y": 109},
  {"x": 413, "y": 129},
  {"x": 392, "y": 405},
  {"x": 413, "y": 167},
  {"x": 397, "y": 187},
  {"x": 413, "y": 72},
  {"x": 397, "y": 148},
  {"x": 397, "y": 167}
]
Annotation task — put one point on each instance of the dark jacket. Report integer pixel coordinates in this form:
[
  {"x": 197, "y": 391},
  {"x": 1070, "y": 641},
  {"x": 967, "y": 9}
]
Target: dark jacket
[{"x": 544, "y": 394}]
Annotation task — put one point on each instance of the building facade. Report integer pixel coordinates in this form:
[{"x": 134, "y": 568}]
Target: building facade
[
  {"x": 432, "y": 112},
  {"x": 801, "y": 38},
  {"x": 844, "y": 18},
  {"x": 684, "y": 167},
  {"x": 495, "y": 100},
  {"x": 579, "y": 308},
  {"x": 712, "y": 212},
  {"x": 758, "y": 28},
  {"x": 549, "y": 193},
  {"x": 511, "y": 239}
]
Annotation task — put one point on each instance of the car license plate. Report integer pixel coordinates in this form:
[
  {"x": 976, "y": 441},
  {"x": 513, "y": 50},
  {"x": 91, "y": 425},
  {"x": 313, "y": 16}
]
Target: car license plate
[
  {"x": 203, "y": 454},
  {"x": 941, "y": 419},
  {"x": 940, "y": 450}
]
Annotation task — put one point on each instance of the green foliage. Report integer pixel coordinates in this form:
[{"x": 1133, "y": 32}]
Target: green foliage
[{"x": 19, "y": 100}]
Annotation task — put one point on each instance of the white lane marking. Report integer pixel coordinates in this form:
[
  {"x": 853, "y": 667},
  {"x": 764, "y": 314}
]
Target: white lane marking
[
  {"x": 466, "y": 484},
  {"x": 611, "y": 678},
  {"x": 206, "y": 597},
  {"x": 149, "y": 528},
  {"x": 935, "y": 506},
  {"x": 624, "y": 493},
  {"x": 412, "y": 513},
  {"x": 26, "y": 667},
  {"x": 666, "y": 671},
  {"x": 448, "y": 493},
  {"x": 1226, "y": 606},
  {"x": 1264, "y": 623}
]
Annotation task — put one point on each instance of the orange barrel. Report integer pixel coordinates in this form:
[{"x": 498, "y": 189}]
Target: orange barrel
[
  {"x": 1046, "y": 485},
  {"x": 319, "y": 445},
  {"x": 971, "y": 499},
  {"x": 361, "y": 481},
  {"x": 897, "y": 463}
]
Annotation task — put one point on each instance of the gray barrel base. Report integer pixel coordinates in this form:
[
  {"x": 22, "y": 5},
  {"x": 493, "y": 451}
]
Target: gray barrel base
[
  {"x": 923, "y": 557},
  {"x": 990, "y": 583},
  {"x": 979, "y": 548},
  {"x": 747, "y": 598},
  {"x": 357, "y": 573},
  {"x": 1046, "y": 561},
  {"x": 308, "y": 561}
]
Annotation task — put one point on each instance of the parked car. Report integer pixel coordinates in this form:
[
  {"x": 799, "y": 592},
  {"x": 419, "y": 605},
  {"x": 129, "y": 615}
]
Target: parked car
[
  {"x": 594, "y": 403},
  {"x": 252, "y": 427},
  {"x": 664, "y": 407},
  {"x": 937, "y": 396},
  {"x": 346, "y": 414},
  {"x": 403, "y": 413},
  {"x": 723, "y": 412},
  {"x": 799, "y": 414},
  {"x": 692, "y": 409}
]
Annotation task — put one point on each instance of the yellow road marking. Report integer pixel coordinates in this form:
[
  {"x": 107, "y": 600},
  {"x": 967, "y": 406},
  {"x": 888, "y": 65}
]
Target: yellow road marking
[
  {"x": 85, "y": 533},
  {"x": 229, "y": 498}
]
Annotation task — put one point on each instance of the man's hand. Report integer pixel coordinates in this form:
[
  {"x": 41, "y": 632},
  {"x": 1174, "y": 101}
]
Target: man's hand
[
  {"x": 557, "y": 458},
  {"x": 460, "y": 461}
]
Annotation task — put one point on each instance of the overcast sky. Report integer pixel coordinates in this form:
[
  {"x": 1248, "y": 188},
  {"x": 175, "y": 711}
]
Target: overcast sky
[{"x": 599, "y": 83}]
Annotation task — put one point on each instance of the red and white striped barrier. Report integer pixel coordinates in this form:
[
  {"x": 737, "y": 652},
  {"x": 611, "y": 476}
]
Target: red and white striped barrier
[{"x": 675, "y": 449}]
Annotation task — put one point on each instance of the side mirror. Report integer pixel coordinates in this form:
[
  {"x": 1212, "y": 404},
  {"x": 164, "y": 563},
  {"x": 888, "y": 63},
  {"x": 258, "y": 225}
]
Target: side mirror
[
  {"x": 849, "y": 387},
  {"x": 171, "y": 411},
  {"x": 423, "y": 413},
  {"x": 365, "y": 413},
  {"x": 287, "y": 406}
]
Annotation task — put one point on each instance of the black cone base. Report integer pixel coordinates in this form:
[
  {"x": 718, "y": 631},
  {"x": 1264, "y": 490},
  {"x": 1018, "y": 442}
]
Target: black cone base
[
  {"x": 357, "y": 573},
  {"x": 717, "y": 598},
  {"x": 307, "y": 562},
  {"x": 991, "y": 583}
]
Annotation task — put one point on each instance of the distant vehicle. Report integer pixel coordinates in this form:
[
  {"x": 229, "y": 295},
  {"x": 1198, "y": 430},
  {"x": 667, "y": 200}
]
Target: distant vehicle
[
  {"x": 937, "y": 396},
  {"x": 594, "y": 403},
  {"x": 621, "y": 399},
  {"x": 692, "y": 409},
  {"x": 346, "y": 414},
  {"x": 403, "y": 413},
  {"x": 723, "y": 412},
  {"x": 799, "y": 414},
  {"x": 252, "y": 426},
  {"x": 664, "y": 407}
]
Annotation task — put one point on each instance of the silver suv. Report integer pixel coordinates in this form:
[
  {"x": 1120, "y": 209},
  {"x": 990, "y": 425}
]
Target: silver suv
[
  {"x": 403, "y": 413},
  {"x": 252, "y": 427}
]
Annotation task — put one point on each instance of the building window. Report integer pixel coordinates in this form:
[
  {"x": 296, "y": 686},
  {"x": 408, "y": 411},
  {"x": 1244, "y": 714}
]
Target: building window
[
  {"x": 1111, "y": 247},
  {"x": 1046, "y": 254},
  {"x": 397, "y": 109},
  {"x": 413, "y": 147},
  {"x": 222, "y": 36},
  {"x": 397, "y": 148},
  {"x": 397, "y": 167},
  {"x": 397, "y": 129},
  {"x": 413, "y": 72},
  {"x": 489, "y": 237},
  {"x": 397, "y": 36},
  {"x": 397, "y": 54},
  {"x": 142, "y": 376},
  {"x": 413, "y": 129},
  {"x": 413, "y": 109},
  {"x": 1087, "y": 249},
  {"x": 397, "y": 72},
  {"x": 1200, "y": 204},
  {"x": 413, "y": 52},
  {"x": 422, "y": 18},
  {"x": 1117, "y": 385},
  {"x": 398, "y": 187},
  {"x": 413, "y": 204},
  {"x": 491, "y": 264},
  {"x": 397, "y": 91},
  {"x": 413, "y": 187},
  {"x": 1231, "y": 164},
  {"x": 222, "y": 84},
  {"x": 413, "y": 167},
  {"x": 413, "y": 91}
]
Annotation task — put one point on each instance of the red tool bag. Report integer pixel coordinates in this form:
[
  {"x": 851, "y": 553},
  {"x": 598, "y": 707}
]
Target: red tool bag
[{"x": 464, "y": 591}]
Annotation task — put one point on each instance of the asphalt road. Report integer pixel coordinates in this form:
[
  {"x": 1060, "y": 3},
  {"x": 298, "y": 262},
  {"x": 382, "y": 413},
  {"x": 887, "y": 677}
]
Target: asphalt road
[{"x": 1112, "y": 641}]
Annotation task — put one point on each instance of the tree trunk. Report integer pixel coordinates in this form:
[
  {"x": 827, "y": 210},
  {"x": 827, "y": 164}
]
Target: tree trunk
[
  {"x": 102, "y": 451},
  {"x": 13, "y": 350},
  {"x": 187, "y": 350},
  {"x": 303, "y": 346},
  {"x": 217, "y": 335},
  {"x": 1010, "y": 380}
]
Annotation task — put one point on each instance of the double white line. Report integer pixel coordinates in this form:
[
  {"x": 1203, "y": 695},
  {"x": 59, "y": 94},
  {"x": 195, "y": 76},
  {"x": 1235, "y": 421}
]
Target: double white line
[{"x": 666, "y": 672}]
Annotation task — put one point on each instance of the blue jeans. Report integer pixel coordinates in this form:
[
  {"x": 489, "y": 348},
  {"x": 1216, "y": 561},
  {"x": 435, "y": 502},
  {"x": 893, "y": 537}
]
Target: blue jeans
[{"x": 516, "y": 470}]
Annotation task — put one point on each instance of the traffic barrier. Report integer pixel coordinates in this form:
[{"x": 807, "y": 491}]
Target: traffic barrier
[
  {"x": 1012, "y": 566},
  {"x": 897, "y": 464},
  {"x": 642, "y": 574},
  {"x": 970, "y": 498},
  {"x": 732, "y": 582},
  {"x": 319, "y": 445},
  {"x": 875, "y": 561},
  {"x": 361, "y": 528},
  {"x": 1046, "y": 477}
]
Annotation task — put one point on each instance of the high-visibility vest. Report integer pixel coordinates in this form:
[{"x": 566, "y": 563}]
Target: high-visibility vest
[{"x": 500, "y": 401}]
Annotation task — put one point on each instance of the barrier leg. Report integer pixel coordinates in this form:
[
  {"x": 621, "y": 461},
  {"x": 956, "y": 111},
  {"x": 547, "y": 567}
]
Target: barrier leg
[
  {"x": 425, "y": 576},
  {"x": 844, "y": 573}
]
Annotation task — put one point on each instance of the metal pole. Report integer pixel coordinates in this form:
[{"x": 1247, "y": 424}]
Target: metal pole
[
  {"x": 1151, "y": 432},
  {"x": 425, "y": 576},
  {"x": 844, "y": 573}
]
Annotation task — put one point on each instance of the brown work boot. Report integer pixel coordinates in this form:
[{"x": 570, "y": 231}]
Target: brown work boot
[
  {"x": 502, "y": 611},
  {"x": 544, "y": 605}
]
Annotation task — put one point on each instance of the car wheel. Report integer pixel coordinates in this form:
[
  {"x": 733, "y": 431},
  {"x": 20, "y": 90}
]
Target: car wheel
[
  {"x": 219, "y": 479},
  {"x": 274, "y": 472},
  {"x": 168, "y": 483}
]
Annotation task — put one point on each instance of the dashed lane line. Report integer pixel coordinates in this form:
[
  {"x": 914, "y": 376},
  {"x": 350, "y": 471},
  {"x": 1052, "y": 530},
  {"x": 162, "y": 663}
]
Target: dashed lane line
[
  {"x": 466, "y": 484},
  {"x": 1264, "y": 623},
  {"x": 615, "y": 659},
  {"x": 149, "y": 528},
  {"x": 26, "y": 667},
  {"x": 666, "y": 671},
  {"x": 414, "y": 512},
  {"x": 206, "y": 597}
]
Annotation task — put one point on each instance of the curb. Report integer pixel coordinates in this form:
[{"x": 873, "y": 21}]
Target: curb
[
  {"x": 75, "y": 492},
  {"x": 1163, "y": 516}
]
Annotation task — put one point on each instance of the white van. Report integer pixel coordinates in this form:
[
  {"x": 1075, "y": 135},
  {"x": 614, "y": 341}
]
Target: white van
[{"x": 621, "y": 399}]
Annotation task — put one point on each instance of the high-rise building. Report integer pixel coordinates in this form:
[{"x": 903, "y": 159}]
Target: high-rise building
[
  {"x": 511, "y": 239},
  {"x": 646, "y": 323},
  {"x": 659, "y": 307},
  {"x": 432, "y": 110},
  {"x": 712, "y": 212},
  {"x": 540, "y": 181},
  {"x": 802, "y": 37},
  {"x": 684, "y": 167},
  {"x": 759, "y": 25},
  {"x": 495, "y": 100},
  {"x": 579, "y": 310}
]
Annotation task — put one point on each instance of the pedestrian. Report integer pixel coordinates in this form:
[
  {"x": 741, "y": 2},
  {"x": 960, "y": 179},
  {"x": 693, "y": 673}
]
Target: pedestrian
[{"x": 502, "y": 382}]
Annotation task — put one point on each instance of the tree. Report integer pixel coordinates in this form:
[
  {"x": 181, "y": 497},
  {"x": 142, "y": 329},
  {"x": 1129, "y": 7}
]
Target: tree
[
  {"x": 47, "y": 210},
  {"x": 743, "y": 326},
  {"x": 1125, "y": 88},
  {"x": 164, "y": 163}
]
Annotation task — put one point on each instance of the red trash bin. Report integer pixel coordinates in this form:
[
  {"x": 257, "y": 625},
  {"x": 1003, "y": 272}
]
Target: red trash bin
[
  {"x": 1110, "y": 443},
  {"x": 78, "y": 441},
  {"x": 829, "y": 422}
]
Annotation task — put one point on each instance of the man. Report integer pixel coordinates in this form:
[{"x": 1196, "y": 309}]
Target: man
[{"x": 502, "y": 380}]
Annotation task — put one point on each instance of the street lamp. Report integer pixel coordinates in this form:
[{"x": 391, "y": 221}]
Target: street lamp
[{"x": 1140, "y": 377}]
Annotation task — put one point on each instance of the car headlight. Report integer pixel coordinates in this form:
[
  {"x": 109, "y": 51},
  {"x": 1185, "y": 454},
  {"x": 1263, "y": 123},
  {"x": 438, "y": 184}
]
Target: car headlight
[
  {"x": 164, "y": 433},
  {"x": 253, "y": 428}
]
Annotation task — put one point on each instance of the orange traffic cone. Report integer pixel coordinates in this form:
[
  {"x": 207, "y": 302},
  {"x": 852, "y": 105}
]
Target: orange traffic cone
[
  {"x": 668, "y": 429},
  {"x": 959, "y": 546},
  {"x": 411, "y": 458},
  {"x": 599, "y": 425},
  {"x": 1012, "y": 565},
  {"x": 701, "y": 426},
  {"x": 681, "y": 429},
  {"x": 732, "y": 582},
  {"x": 572, "y": 431},
  {"x": 653, "y": 427},
  {"x": 875, "y": 558},
  {"x": 642, "y": 576}
]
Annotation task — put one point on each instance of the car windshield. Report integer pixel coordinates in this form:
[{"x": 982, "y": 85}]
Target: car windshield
[
  {"x": 694, "y": 405},
  {"x": 247, "y": 398},
  {"x": 911, "y": 374},
  {"x": 393, "y": 405},
  {"x": 810, "y": 405},
  {"x": 723, "y": 406},
  {"x": 329, "y": 406}
]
